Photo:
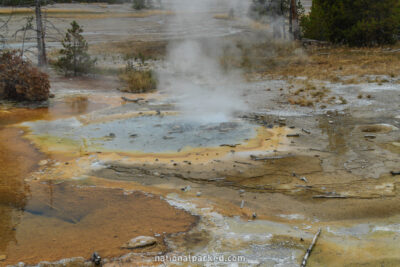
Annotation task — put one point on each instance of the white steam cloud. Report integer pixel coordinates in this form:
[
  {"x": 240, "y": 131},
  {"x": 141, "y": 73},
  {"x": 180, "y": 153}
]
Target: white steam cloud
[{"x": 192, "y": 73}]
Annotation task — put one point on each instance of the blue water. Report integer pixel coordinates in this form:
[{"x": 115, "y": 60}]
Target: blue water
[{"x": 149, "y": 134}]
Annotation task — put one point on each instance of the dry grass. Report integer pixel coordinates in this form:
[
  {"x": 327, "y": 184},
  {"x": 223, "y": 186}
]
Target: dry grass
[
  {"x": 25, "y": 10},
  {"x": 310, "y": 94},
  {"x": 98, "y": 15},
  {"x": 332, "y": 64},
  {"x": 85, "y": 14},
  {"x": 224, "y": 16},
  {"x": 132, "y": 49},
  {"x": 255, "y": 25},
  {"x": 138, "y": 81}
]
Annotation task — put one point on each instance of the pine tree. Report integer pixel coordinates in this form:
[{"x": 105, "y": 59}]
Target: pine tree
[
  {"x": 139, "y": 4},
  {"x": 75, "y": 58},
  {"x": 353, "y": 22}
]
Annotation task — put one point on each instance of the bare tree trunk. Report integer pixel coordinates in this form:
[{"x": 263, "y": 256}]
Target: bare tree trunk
[
  {"x": 294, "y": 20},
  {"x": 42, "y": 59}
]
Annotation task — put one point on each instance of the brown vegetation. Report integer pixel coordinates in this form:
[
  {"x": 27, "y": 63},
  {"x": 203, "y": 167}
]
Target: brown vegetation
[
  {"x": 133, "y": 49},
  {"x": 335, "y": 64},
  {"x": 19, "y": 80},
  {"x": 138, "y": 81}
]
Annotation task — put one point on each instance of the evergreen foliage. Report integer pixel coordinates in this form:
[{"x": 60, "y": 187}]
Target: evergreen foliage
[
  {"x": 74, "y": 58},
  {"x": 353, "y": 22}
]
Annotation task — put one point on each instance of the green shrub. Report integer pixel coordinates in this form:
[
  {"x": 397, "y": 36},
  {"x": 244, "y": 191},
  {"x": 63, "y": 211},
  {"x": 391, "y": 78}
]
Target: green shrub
[
  {"x": 138, "y": 81},
  {"x": 353, "y": 22},
  {"x": 139, "y": 4}
]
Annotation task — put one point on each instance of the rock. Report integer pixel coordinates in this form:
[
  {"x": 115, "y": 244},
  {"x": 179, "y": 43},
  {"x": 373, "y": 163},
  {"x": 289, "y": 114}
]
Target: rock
[
  {"x": 396, "y": 144},
  {"x": 304, "y": 179},
  {"x": 186, "y": 188},
  {"x": 198, "y": 194},
  {"x": 43, "y": 162},
  {"x": 96, "y": 259},
  {"x": 140, "y": 242},
  {"x": 3, "y": 257},
  {"x": 378, "y": 128},
  {"x": 370, "y": 136}
]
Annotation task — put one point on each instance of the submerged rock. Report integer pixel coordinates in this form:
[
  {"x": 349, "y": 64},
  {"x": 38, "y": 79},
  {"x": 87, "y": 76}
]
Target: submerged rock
[{"x": 140, "y": 242}]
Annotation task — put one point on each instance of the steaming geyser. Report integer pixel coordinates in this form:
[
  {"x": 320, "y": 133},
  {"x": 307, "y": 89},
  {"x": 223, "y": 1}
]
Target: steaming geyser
[{"x": 192, "y": 74}]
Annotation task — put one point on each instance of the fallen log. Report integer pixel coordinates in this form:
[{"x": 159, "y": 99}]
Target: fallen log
[
  {"x": 267, "y": 158},
  {"x": 329, "y": 196},
  {"x": 304, "y": 262},
  {"x": 395, "y": 173},
  {"x": 306, "y": 131},
  {"x": 135, "y": 100},
  {"x": 242, "y": 162},
  {"x": 392, "y": 51},
  {"x": 229, "y": 145}
]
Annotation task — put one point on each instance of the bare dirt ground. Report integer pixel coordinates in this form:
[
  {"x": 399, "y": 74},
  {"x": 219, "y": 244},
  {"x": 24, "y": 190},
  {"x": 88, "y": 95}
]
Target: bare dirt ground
[{"x": 314, "y": 150}]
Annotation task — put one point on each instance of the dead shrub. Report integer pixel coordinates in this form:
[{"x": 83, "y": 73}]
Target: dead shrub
[
  {"x": 138, "y": 81},
  {"x": 20, "y": 80}
]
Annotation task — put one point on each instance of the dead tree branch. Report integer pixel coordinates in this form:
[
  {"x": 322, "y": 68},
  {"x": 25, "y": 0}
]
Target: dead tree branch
[{"x": 304, "y": 263}]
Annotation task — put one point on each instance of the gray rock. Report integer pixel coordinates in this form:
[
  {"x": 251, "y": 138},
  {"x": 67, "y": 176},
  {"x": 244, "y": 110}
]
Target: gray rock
[{"x": 140, "y": 242}]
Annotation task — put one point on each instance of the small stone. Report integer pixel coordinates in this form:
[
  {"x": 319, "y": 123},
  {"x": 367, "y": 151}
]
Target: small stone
[
  {"x": 96, "y": 259},
  {"x": 3, "y": 257},
  {"x": 186, "y": 188},
  {"x": 254, "y": 215},
  {"x": 330, "y": 122},
  {"x": 198, "y": 194},
  {"x": 140, "y": 242},
  {"x": 370, "y": 136},
  {"x": 43, "y": 162}
]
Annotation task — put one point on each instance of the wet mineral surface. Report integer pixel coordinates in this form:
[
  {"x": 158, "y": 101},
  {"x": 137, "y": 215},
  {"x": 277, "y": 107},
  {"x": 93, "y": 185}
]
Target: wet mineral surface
[{"x": 91, "y": 171}]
